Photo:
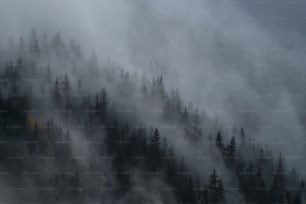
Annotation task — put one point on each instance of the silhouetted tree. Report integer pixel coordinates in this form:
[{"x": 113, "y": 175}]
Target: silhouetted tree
[
  {"x": 155, "y": 154},
  {"x": 215, "y": 189},
  {"x": 34, "y": 45},
  {"x": 57, "y": 95},
  {"x": 278, "y": 187},
  {"x": 219, "y": 141},
  {"x": 66, "y": 87}
]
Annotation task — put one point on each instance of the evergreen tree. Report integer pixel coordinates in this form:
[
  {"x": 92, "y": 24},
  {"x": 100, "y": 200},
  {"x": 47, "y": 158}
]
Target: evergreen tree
[
  {"x": 160, "y": 87},
  {"x": 232, "y": 149},
  {"x": 97, "y": 105},
  {"x": 215, "y": 189},
  {"x": 104, "y": 103},
  {"x": 66, "y": 87},
  {"x": 259, "y": 187},
  {"x": 219, "y": 141},
  {"x": 34, "y": 45},
  {"x": 57, "y": 96},
  {"x": 278, "y": 187},
  {"x": 220, "y": 192},
  {"x": 155, "y": 154},
  {"x": 242, "y": 134},
  {"x": 49, "y": 73},
  {"x": 57, "y": 42}
]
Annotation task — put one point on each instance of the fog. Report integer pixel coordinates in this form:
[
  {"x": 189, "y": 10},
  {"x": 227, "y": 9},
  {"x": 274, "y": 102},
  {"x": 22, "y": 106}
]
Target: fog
[
  {"x": 221, "y": 55},
  {"x": 239, "y": 61}
]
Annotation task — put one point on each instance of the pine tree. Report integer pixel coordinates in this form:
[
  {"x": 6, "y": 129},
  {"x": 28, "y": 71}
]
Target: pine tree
[
  {"x": 97, "y": 105},
  {"x": 185, "y": 115},
  {"x": 220, "y": 192},
  {"x": 278, "y": 187},
  {"x": 155, "y": 140},
  {"x": 104, "y": 102},
  {"x": 249, "y": 181},
  {"x": 259, "y": 187},
  {"x": 66, "y": 87},
  {"x": 177, "y": 101},
  {"x": 155, "y": 153},
  {"x": 57, "y": 42},
  {"x": 213, "y": 187},
  {"x": 160, "y": 87},
  {"x": 242, "y": 134},
  {"x": 49, "y": 73},
  {"x": 219, "y": 141},
  {"x": 232, "y": 149},
  {"x": 57, "y": 96},
  {"x": 34, "y": 45}
]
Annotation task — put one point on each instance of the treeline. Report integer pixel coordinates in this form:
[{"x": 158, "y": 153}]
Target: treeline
[
  {"x": 129, "y": 147},
  {"x": 28, "y": 141},
  {"x": 76, "y": 125}
]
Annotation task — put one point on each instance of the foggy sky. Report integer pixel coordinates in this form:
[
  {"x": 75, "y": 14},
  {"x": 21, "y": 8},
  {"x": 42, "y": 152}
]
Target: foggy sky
[{"x": 230, "y": 58}]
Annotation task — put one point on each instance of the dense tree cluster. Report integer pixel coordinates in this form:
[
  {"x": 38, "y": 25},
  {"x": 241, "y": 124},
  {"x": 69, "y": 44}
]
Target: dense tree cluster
[
  {"x": 262, "y": 179},
  {"x": 73, "y": 129}
]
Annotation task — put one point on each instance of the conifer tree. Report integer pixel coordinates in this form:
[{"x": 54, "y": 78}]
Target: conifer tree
[
  {"x": 219, "y": 141},
  {"x": 57, "y": 95},
  {"x": 34, "y": 45},
  {"x": 232, "y": 149}
]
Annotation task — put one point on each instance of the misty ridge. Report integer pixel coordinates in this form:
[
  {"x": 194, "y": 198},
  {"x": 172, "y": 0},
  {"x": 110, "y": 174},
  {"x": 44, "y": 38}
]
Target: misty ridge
[{"x": 149, "y": 102}]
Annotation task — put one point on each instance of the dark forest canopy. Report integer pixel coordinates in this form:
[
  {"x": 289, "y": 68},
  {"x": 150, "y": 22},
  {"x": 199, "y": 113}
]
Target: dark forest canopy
[{"x": 76, "y": 131}]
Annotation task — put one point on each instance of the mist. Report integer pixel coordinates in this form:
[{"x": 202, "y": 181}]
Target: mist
[{"x": 240, "y": 63}]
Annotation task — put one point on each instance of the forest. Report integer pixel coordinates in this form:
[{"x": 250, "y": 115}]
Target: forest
[{"x": 75, "y": 129}]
